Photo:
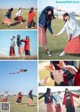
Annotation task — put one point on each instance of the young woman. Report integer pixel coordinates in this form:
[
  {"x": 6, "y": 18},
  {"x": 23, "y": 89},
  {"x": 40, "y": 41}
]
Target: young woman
[
  {"x": 12, "y": 46},
  {"x": 30, "y": 98},
  {"x": 19, "y": 97},
  {"x": 27, "y": 45},
  {"x": 45, "y": 19},
  {"x": 48, "y": 99},
  {"x": 19, "y": 44},
  {"x": 18, "y": 17},
  {"x": 59, "y": 102},
  {"x": 5, "y": 97},
  {"x": 73, "y": 31},
  {"x": 31, "y": 15},
  {"x": 7, "y": 19},
  {"x": 68, "y": 100}
]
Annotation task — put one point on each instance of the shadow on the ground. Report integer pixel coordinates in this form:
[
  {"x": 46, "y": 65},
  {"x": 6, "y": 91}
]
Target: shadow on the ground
[{"x": 16, "y": 23}]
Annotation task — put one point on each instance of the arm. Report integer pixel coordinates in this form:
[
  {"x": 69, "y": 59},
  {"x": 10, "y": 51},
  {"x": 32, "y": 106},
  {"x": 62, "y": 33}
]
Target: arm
[
  {"x": 50, "y": 29},
  {"x": 41, "y": 96},
  {"x": 75, "y": 95},
  {"x": 54, "y": 98},
  {"x": 9, "y": 37},
  {"x": 62, "y": 30}
]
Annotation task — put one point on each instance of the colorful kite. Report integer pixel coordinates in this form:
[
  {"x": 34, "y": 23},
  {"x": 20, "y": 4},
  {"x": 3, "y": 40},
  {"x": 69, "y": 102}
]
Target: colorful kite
[{"x": 21, "y": 70}]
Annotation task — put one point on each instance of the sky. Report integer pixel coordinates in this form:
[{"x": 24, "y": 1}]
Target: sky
[
  {"x": 18, "y": 3},
  {"x": 69, "y": 7},
  {"x": 5, "y": 41},
  {"x": 55, "y": 89},
  {"x": 24, "y": 81}
]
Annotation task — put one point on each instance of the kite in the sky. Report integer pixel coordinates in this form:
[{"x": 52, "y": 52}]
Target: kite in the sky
[{"x": 21, "y": 70}]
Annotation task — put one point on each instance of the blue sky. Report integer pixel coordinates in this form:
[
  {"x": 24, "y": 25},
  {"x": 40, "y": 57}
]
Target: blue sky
[
  {"x": 69, "y": 7},
  {"x": 5, "y": 41},
  {"x": 13, "y": 83},
  {"x": 18, "y": 3}
]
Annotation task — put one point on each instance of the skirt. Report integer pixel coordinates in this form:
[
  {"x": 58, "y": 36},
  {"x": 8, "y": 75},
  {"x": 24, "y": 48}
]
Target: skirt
[
  {"x": 20, "y": 49},
  {"x": 69, "y": 107},
  {"x": 58, "y": 108},
  {"x": 42, "y": 37},
  {"x": 29, "y": 101},
  {"x": 18, "y": 18},
  {"x": 12, "y": 52},
  {"x": 7, "y": 21},
  {"x": 50, "y": 107},
  {"x": 19, "y": 100},
  {"x": 73, "y": 46}
]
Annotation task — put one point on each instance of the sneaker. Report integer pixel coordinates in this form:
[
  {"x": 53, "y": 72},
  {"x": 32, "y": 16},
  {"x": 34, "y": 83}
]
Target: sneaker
[
  {"x": 8, "y": 26},
  {"x": 26, "y": 27},
  {"x": 48, "y": 53},
  {"x": 2, "y": 23},
  {"x": 62, "y": 54}
]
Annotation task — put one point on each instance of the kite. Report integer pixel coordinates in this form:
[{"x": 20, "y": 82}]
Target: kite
[{"x": 21, "y": 70}]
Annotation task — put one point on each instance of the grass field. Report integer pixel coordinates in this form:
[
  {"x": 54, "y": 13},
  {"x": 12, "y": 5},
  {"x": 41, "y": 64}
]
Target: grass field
[
  {"x": 23, "y": 106},
  {"x": 56, "y": 45},
  {"x": 19, "y": 58},
  {"x": 16, "y": 25}
]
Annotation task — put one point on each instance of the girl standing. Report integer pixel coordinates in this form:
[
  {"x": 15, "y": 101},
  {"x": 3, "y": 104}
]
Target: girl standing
[
  {"x": 18, "y": 17},
  {"x": 73, "y": 31},
  {"x": 5, "y": 98},
  {"x": 68, "y": 100},
  {"x": 19, "y": 97},
  {"x": 12, "y": 46},
  {"x": 30, "y": 98},
  {"x": 19, "y": 44},
  {"x": 45, "y": 19},
  {"x": 27, "y": 45},
  {"x": 48, "y": 99},
  {"x": 31, "y": 15},
  {"x": 7, "y": 19}
]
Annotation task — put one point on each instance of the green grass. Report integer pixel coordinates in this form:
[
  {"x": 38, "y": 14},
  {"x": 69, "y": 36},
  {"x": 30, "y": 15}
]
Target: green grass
[
  {"x": 42, "y": 74},
  {"x": 22, "y": 107},
  {"x": 56, "y": 45},
  {"x": 18, "y": 25}
]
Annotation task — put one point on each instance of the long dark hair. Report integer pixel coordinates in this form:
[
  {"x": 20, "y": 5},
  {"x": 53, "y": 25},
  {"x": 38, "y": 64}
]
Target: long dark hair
[
  {"x": 30, "y": 92},
  {"x": 64, "y": 15},
  {"x": 51, "y": 16},
  {"x": 18, "y": 39},
  {"x": 19, "y": 8},
  {"x": 48, "y": 91},
  {"x": 68, "y": 90},
  {"x": 10, "y": 10},
  {"x": 31, "y": 9}
]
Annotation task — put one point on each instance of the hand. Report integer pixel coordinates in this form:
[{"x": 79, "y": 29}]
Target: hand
[
  {"x": 50, "y": 68},
  {"x": 54, "y": 35},
  {"x": 72, "y": 69},
  {"x": 61, "y": 64},
  {"x": 46, "y": 80}
]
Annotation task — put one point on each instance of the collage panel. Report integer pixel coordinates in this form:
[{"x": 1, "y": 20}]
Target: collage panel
[
  {"x": 59, "y": 29},
  {"x": 59, "y": 73},
  {"x": 56, "y": 99},
  {"x": 18, "y": 14},
  {"x": 18, "y": 44},
  {"x": 18, "y": 86}
]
